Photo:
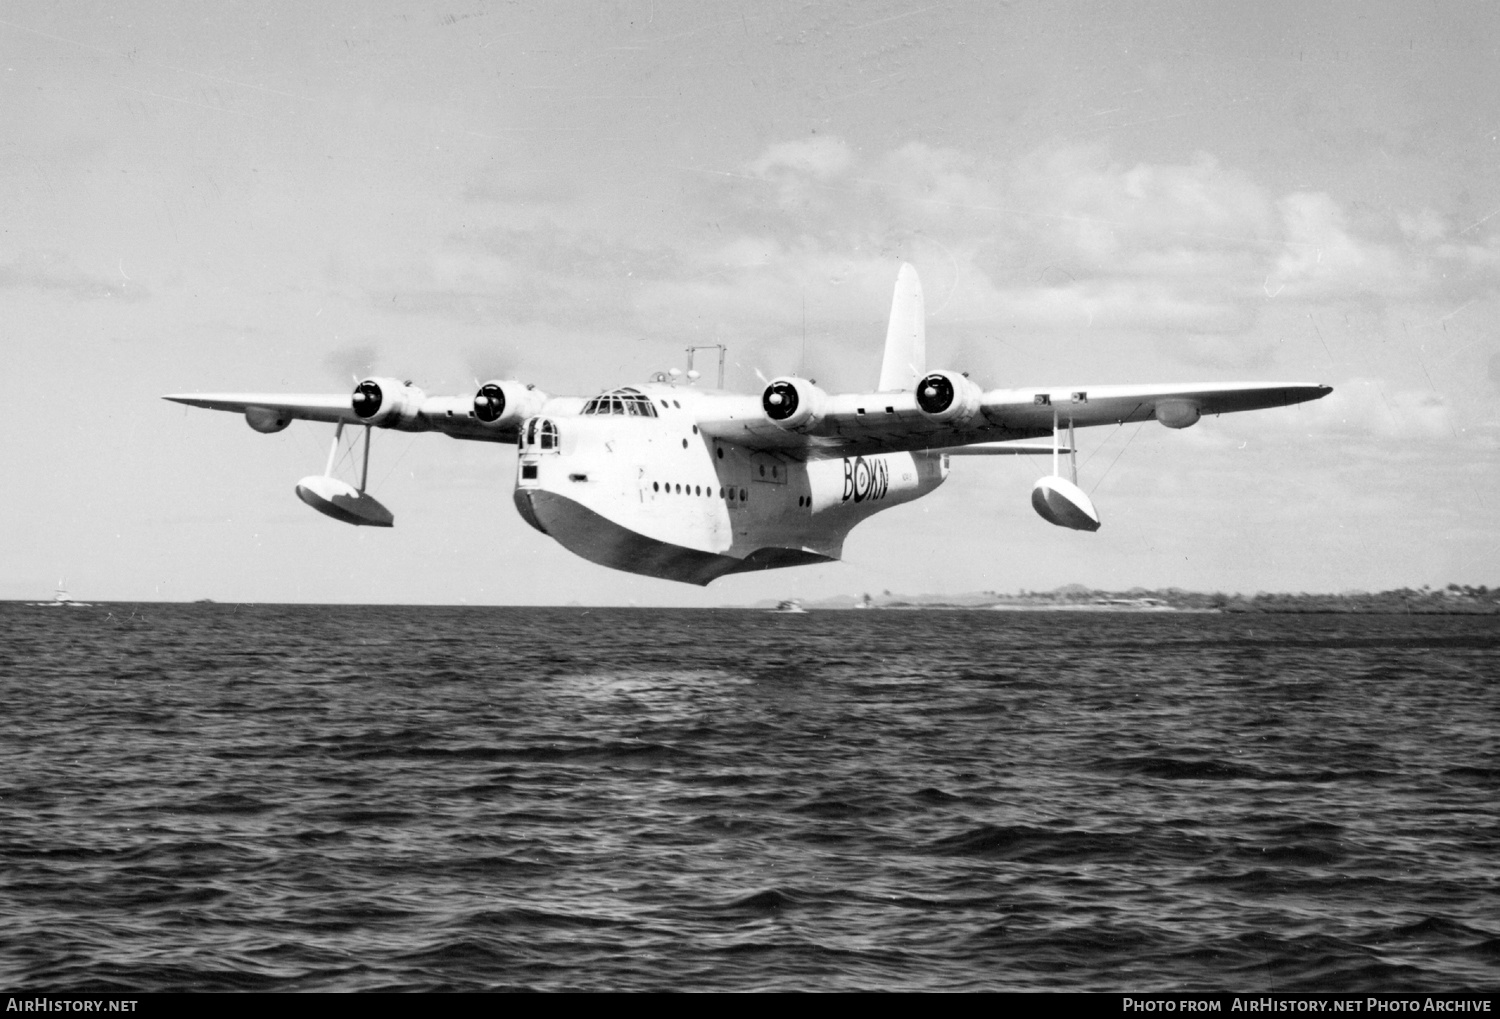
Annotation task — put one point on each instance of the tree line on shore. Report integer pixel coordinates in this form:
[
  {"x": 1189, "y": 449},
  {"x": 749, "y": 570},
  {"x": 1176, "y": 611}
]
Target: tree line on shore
[{"x": 1455, "y": 599}]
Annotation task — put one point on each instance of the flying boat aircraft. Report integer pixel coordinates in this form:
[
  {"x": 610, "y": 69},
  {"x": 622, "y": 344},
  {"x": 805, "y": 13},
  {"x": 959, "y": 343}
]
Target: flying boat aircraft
[{"x": 673, "y": 480}]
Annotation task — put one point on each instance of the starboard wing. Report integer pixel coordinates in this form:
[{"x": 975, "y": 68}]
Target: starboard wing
[{"x": 388, "y": 404}]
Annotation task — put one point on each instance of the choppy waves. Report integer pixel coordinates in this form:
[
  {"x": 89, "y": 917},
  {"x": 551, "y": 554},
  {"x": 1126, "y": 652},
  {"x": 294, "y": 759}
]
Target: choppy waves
[{"x": 211, "y": 797}]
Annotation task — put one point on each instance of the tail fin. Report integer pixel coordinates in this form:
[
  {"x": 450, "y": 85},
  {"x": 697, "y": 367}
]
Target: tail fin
[{"x": 906, "y": 336}]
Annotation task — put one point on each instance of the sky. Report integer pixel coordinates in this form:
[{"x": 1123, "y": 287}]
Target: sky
[{"x": 276, "y": 196}]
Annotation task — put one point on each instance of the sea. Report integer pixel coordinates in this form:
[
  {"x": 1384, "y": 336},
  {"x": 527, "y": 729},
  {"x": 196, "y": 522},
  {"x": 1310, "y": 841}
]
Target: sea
[{"x": 385, "y": 798}]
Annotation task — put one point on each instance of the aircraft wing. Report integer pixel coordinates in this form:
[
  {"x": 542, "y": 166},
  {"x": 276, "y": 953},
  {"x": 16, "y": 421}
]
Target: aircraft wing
[
  {"x": 1176, "y": 406},
  {"x": 859, "y": 424},
  {"x": 388, "y": 403},
  {"x": 288, "y": 406}
]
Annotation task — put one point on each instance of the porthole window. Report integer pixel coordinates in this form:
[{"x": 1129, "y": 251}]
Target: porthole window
[
  {"x": 697, "y": 489},
  {"x": 684, "y": 444},
  {"x": 679, "y": 489},
  {"x": 676, "y": 404},
  {"x": 762, "y": 470},
  {"x": 743, "y": 495},
  {"x": 655, "y": 486},
  {"x": 720, "y": 451}
]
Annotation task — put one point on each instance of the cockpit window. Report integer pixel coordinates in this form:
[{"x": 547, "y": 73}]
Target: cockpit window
[
  {"x": 540, "y": 434},
  {"x": 624, "y": 402}
]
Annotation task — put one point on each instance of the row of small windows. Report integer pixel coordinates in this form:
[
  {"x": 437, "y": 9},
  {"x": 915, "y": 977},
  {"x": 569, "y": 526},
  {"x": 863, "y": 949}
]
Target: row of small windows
[
  {"x": 731, "y": 494},
  {"x": 724, "y": 493}
]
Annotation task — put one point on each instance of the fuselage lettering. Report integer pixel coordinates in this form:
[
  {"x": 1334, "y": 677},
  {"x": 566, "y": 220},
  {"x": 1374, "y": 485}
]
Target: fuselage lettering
[{"x": 866, "y": 479}]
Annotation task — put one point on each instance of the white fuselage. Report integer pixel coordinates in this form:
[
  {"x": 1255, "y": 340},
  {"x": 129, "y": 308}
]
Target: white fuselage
[{"x": 652, "y": 494}]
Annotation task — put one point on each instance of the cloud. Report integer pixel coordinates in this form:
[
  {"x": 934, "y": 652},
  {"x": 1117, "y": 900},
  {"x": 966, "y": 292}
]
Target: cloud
[
  {"x": 820, "y": 158},
  {"x": 1100, "y": 212},
  {"x": 1124, "y": 304},
  {"x": 1375, "y": 408},
  {"x": 1076, "y": 256},
  {"x": 55, "y": 272},
  {"x": 1323, "y": 259},
  {"x": 355, "y": 359},
  {"x": 1061, "y": 239}
]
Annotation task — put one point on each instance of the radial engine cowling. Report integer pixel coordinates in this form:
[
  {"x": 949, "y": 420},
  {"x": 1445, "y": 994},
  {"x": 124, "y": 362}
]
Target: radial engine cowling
[
  {"x": 792, "y": 403},
  {"x": 388, "y": 403},
  {"x": 948, "y": 398},
  {"x": 502, "y": 404}
]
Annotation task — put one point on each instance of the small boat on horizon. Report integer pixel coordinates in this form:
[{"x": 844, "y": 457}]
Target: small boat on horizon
[
  {"x": 791, "y": 605},
  {"x": 61, "y": 600}
]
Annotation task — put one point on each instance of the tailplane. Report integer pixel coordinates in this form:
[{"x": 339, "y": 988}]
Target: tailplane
[{"x": 906, "y": 336}]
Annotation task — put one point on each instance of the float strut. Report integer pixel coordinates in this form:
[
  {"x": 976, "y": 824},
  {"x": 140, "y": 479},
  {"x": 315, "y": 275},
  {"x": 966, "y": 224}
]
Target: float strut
[
  {"x": 338, "y": 433},
  {"x": 1054, "y": 442},
  {"x": 1072, "y": 451},
  {"x": 364, "y": 473}
]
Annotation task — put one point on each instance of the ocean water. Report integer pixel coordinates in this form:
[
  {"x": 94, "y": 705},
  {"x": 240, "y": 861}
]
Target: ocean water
[{"x": 209, "y": 797}]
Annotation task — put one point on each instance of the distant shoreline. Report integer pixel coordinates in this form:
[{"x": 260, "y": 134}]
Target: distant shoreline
[{"x": 1450, "y": 601}]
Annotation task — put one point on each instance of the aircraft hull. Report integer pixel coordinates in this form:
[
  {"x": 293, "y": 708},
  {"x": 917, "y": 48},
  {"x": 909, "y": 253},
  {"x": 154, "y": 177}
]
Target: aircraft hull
[
  {"x": 653, "y": 496},
  {"x": 600, "y": 540}
]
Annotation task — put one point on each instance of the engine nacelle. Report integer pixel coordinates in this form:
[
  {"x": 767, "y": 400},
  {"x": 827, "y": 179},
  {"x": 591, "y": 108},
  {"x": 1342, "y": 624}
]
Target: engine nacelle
[
  {"x": 1177, "y": 413},
  {"x": 502, "y": 404},
  {"x": 792, "y": 403},
  {"x": 948, "y": 398},
  {"x": 266, "y": 420},
  {"x": 388, "y": 403}
]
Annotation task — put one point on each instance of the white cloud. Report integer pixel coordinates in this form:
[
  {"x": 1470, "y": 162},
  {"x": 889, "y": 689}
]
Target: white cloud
[
  {"x": 821, "y": 158},
  {"x": 1079, "y": 259},
  {"x": 1108, "y": 211},
  {"x": 56, "y": 272},
  {"x": 1375, "y": 408},
  {"x": 1323, "y": 259}
]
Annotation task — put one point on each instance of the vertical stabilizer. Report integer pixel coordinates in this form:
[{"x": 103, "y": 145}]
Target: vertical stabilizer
[{"x": 906, "y": 336}]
